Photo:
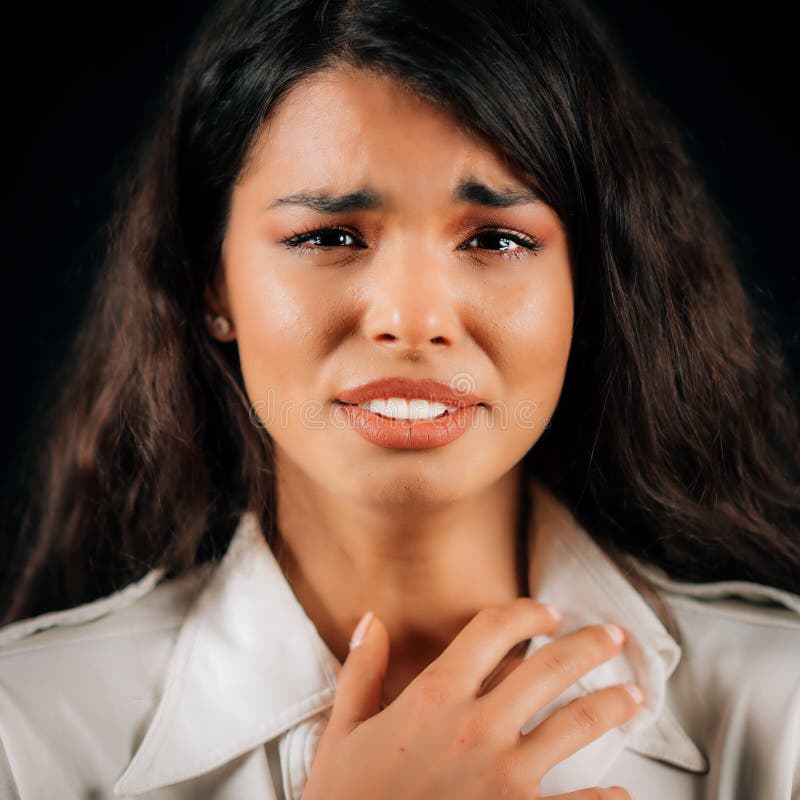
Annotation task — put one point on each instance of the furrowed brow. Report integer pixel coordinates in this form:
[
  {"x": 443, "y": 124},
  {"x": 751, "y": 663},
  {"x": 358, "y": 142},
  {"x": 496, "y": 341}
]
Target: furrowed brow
[{"x": 367, "y": 199}]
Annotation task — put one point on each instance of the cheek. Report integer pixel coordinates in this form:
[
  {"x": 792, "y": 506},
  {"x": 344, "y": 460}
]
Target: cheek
[
  {"x": 287, "y": 321},
  {"x": 275, "y": 320},
  {"x": 538, "y": 336},
  {"x": 546, "y": 331}
]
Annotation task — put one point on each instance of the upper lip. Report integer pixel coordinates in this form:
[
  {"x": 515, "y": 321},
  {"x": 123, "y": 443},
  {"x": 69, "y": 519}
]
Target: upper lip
[{"x": 429, "y": 389}]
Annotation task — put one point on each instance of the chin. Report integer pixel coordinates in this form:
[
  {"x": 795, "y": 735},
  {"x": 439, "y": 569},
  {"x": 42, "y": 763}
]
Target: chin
[{"x": 410, "y": 480}]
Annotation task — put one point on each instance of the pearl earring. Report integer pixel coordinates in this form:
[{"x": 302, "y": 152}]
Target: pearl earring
[{"x": 219, "y": 324}]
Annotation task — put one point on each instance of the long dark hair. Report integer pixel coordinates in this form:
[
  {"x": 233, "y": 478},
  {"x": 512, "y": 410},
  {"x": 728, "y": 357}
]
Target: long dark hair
[{"x": 676, "y": 436}]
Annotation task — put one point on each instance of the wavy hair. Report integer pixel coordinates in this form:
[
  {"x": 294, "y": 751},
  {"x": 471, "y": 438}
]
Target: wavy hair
[{"x": 676, "y": 435}]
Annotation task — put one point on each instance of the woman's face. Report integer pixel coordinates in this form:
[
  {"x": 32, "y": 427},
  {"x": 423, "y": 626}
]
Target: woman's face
[{"x": 418, "y": 280}]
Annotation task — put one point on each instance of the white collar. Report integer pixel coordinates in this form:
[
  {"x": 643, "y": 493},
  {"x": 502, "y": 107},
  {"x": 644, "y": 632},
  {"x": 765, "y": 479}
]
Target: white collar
[
  {"x": 250, "y": 658},
  {"x": 569, "y": 570}
]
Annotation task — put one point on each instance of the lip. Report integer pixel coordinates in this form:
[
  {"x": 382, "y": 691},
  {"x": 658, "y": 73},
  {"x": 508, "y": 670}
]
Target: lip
[
  {"x": 395, "y": 434},
  {"x": 430, "y": 389}
]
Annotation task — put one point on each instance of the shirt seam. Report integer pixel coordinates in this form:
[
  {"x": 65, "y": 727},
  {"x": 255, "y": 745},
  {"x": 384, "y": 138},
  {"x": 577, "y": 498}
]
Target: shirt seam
[
  {"x": 174, "y": 625},
  {"x": 749, "y": 615}
]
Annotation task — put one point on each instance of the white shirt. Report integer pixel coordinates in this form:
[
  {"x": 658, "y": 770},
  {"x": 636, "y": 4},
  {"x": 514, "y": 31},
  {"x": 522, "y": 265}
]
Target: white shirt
[{"x": 218, "y": 685}]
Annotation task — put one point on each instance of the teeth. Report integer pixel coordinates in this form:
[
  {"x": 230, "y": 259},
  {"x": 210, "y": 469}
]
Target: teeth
[{"x": 400, "y": 408}]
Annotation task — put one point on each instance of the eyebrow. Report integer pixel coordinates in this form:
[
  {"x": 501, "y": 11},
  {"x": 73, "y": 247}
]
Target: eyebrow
[{"x": 467, "y": 191}]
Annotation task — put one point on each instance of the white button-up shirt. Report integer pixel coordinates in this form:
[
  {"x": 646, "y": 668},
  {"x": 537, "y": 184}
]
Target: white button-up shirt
[{"x": 218, "y": 685}]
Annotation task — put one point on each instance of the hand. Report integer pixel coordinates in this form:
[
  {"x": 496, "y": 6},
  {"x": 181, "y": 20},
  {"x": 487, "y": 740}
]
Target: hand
[{"x": 441, "y": 740}]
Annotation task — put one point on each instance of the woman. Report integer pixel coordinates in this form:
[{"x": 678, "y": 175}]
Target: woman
[{"x": 415, "y": 310}]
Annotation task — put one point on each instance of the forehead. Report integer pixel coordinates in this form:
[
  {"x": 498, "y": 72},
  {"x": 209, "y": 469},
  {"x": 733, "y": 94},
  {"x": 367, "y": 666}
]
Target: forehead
[{"x": 348, "y": 126}]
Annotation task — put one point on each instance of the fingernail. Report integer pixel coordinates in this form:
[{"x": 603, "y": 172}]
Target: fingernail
[
  {"x": 615, "y": 632},
  {"x": 553, "y": 612},
  {"x": 634, "y": 691},
  {"x": 360, "y": 633}
]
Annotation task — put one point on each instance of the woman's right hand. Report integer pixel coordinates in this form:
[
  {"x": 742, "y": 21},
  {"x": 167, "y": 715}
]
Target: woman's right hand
[{"x": 443, "y": 740}]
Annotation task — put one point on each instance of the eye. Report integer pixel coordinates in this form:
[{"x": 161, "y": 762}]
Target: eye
[
  {"x": 324, "y": 239},
  {"x": 512, "y": 245}
]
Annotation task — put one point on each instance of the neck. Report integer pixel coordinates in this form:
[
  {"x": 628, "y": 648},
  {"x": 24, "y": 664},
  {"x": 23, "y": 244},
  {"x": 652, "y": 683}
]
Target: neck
[{"x": 424, "y": 571}]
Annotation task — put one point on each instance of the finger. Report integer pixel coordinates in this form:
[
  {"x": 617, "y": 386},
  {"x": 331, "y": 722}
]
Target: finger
[
  {"x": 484, "y": 641},
  {"x": 359, "y": 683},
  {"x": 545, "y": 674},
  {"x": 597, "y": 793},
  {"x": 578, "y": 723}
]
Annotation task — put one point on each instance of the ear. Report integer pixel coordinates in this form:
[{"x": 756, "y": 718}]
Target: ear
[{"x": 218, "y": 307}]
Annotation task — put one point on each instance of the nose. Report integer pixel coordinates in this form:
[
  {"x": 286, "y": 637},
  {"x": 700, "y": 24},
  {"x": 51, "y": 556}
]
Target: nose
[{"x": 412, "y": 306}]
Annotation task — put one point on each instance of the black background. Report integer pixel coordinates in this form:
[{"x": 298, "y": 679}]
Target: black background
[{"x": 81, "y": 82}]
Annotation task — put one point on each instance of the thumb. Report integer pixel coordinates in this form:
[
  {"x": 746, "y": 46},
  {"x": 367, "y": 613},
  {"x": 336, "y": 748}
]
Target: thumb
[{"x": 358, "y": 696}]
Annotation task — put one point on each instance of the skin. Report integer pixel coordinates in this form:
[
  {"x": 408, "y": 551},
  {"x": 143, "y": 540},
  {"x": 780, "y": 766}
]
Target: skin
[{"x": 424, "y": 538}]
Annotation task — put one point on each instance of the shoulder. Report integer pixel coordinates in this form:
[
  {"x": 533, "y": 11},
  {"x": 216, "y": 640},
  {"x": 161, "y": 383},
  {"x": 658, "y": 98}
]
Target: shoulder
[
  {"x": 737, "y": 686},
  {"x": 751, "y": 611},
  {"x": 746, "y": 643},
  {"x": 744, "y": 628},
  {"x": 68, "y": 674},
  {"x": 136, "y": 612},
  {"x": 143, "y": 604}
]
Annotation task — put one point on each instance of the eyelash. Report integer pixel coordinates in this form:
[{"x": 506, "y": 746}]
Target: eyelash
[{"x": 529, "y": 245}]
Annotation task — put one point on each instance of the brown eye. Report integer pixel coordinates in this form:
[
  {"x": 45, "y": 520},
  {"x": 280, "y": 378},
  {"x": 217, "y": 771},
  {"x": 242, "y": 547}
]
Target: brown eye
[
  {"x": 509, "y": 245},
  {"x": 322, "y": 239}
]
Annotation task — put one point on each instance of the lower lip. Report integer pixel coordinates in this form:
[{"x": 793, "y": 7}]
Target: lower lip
[{"x": 399, "y": 434}]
